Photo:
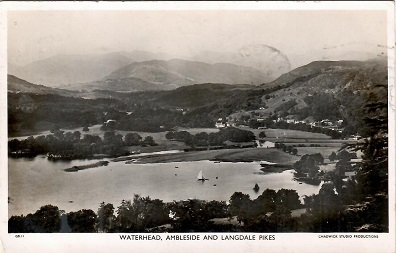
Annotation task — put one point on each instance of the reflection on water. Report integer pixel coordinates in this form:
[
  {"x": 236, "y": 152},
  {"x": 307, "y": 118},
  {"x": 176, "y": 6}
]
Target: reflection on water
[{"x": 37, "y": 182}]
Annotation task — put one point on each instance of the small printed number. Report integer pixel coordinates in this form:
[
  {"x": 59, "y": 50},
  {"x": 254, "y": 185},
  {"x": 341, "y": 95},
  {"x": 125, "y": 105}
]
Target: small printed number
[{"x": 19, "y": 236}]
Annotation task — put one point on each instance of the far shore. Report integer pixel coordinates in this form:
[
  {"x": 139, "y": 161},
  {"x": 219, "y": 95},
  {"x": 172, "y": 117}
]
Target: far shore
[{"x": 280, "y": 159}]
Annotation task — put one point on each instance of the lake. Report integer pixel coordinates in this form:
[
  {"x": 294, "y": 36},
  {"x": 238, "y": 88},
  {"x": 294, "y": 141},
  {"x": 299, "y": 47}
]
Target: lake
[{"x": 36, "y": 182}]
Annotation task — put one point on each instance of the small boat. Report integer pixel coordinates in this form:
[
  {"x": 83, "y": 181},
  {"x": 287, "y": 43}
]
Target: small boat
[
  {"x": 201, "y": 177},
  {"x": 256, "y": 188}
]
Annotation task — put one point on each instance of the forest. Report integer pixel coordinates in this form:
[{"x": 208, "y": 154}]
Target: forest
[{"x": 72, "y": 145}]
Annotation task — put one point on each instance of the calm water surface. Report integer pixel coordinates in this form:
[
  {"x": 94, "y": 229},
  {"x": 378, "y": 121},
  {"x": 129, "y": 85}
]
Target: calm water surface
[{"x": 37, "y": 182}]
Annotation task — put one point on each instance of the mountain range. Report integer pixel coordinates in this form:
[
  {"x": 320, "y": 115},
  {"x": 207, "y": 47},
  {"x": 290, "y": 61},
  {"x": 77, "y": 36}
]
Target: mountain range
[
  {"x": 141, "y": 70},
  {"x": 133, "y": 71},
  {"x": 59, "y": 70}
]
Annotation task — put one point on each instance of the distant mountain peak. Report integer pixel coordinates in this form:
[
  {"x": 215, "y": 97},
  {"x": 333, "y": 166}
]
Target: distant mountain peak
[{"x": 179, "y": 72}]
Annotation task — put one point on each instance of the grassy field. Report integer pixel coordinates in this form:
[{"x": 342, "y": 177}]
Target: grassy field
[
  {"x": 288, "y": 134},
  {"x": 229, "y": 155}
]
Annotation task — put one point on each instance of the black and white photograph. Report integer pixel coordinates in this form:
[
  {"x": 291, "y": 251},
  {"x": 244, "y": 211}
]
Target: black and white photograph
[{"x": 200, "y": 124}]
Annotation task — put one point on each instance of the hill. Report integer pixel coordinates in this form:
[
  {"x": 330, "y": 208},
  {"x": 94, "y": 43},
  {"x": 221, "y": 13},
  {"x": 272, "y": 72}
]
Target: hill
[
  {"x": 334, "y": 90},
  {"x": 130, "y": 84},
  {"x": 17, "y": 85},
  {"x": 333, "y": 78},
  {"x": 176, "y": 73},
  {"x": 70, "y": 69}
]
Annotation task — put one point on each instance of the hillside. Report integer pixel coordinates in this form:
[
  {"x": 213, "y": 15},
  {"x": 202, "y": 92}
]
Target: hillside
[
  {"x": 178, "y": 72},
  {"x": 16, "y": 85},
  {"x": 130, "y": 84},
  {"x": 200, "y": 94},
  {"x": 333, "y": 78},
  {"x": 326, "y": 90}
]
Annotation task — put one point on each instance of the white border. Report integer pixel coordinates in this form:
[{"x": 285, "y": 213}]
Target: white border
[{"x": 290, "y": 242}]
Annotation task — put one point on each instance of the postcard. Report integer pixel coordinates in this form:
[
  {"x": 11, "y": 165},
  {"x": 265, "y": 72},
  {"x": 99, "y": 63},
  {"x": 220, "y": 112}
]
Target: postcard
[{"x": 197, "y": 126}]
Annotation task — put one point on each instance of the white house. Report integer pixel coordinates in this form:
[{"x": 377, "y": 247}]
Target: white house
[{"x": 266, "y": 144}]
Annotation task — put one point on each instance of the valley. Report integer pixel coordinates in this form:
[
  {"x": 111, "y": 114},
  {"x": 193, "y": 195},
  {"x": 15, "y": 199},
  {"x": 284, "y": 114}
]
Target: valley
[{"x": 149, "y": 127}]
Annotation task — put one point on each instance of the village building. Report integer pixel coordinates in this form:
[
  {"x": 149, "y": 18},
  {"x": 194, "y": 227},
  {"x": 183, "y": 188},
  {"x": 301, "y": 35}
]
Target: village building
[
  {"x": 220, "y": 123},
  {"x": 265, "y": 144}
]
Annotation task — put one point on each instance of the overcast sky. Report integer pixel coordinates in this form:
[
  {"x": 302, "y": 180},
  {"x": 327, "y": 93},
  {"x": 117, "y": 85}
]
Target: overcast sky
[{"x": 34, "y": 35}]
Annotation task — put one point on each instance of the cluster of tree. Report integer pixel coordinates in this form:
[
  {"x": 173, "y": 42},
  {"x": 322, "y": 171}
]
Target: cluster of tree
[
  {"x": 144, "y": 214},
  {"x": 214, "y": 139},
  {"x": 342, "y": 155},
  {"x": 287, "y": 149},
  {"x": 67, "y": 112},
  {"x": 70, "y": 145},
  {"x": 361, "y": 202},
  {"x": 307, "y": 168},
  {"x": 321, "y": 105},
  {"x": 272, "y": 208}
]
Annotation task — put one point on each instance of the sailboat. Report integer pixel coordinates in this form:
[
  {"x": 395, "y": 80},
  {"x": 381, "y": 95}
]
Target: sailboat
[{"x": 201, "y": 177}]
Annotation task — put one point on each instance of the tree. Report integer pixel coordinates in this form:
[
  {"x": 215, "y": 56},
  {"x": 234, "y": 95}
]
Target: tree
[
  {"x": 124, "y": 220},
  {"x": 91, "y": 139},
  {"x": 82, "y": 221},
  {"x": 308, "y": 165},
  {"x": 266, "y": 201},
  {"x": 132, "y": 139},
  {"x": 109, "y": 137},
  {"x": 241, "y": 205},
  {"x": 288, "y": 198},
  {"x": 106, "y": 217},
  {"x": 216, "y": 209},
  {"x": 148, "y": 140},
  {"x": 282, "y": 219},
  {"x": 345, "y": 155},
  {"x": 333, "y": 156},
  {"x": 76, "y": 136},
  {"x": 294, "y": 151},
  {"x": 262, "y": 135},
  {"x": 45, "y": 220},
  {"x": 313, "y": 171},
  {"x": 170, "y": 135},
  {"x": 201, "y": 139},
  {"x": 189, "y": 215},
  {"x": 16, "y": 224}
]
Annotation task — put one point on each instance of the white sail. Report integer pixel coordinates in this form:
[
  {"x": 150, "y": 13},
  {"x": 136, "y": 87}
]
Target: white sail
[{"x": 200, "y": 175}]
